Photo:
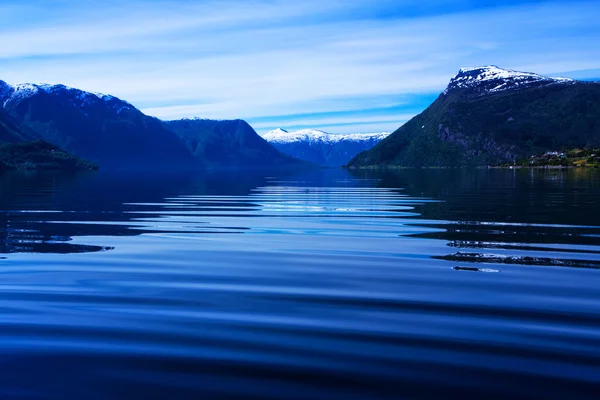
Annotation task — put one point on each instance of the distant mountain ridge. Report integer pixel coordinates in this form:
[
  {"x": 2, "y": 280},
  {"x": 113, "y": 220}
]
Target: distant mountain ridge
[
  {"x": 282, "y": 136},
  {"x": 229, "y": 144},
  {"x": 115, "y": 134},
  {"x": 490, "y": 116},
  {"x": 328, "y": 149}
]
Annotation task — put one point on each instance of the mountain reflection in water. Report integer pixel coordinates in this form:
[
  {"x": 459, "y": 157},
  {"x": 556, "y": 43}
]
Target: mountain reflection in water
[{"x": 323, "y": 284}]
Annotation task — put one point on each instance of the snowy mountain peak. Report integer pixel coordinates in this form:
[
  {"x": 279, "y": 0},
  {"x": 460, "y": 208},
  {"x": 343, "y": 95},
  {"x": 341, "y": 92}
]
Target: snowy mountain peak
[
  {"x": 313, "y": 135},
  {"x": 6, "y": 91},
  {"x": 322, "y": 148},
  {"x": 32, "y": 88},
  {"x": 80, "y": 98},
  {"x": 275, "y": 135},
  {"x": 491, "y": 79}
]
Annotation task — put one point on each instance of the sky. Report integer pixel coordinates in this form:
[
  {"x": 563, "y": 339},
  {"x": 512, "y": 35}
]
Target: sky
[{"x": 339, "y": 66}]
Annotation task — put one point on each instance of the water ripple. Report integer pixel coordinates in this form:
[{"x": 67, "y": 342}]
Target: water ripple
[{"x": 319, "y": 287}]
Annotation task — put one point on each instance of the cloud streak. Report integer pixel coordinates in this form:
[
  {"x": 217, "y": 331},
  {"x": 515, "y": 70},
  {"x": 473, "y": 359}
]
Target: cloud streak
[{"x": 259, "y": 59}]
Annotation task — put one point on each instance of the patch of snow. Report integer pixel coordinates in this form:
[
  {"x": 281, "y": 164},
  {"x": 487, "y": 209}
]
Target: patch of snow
[
  {"x": 491, "y": 79},
  {"x": 6, "y": 91},
  {"x": 80, "y": 97},
  {"x": 316, "y": 136}
]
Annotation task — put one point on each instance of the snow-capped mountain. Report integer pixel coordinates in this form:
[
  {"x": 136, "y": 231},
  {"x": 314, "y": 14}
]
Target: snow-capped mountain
[
  {"x": 6, "y": 91},
  {"x": 312, "y": 135},
  {"x": 12, "y": 94},
  {"x": 491, "y": 79},
  {"x": 98, "y": 127},
  {"x": 329, "y": 149},
  {"x": 490, "y": 116},
  {"x": 115, "y": 134}
]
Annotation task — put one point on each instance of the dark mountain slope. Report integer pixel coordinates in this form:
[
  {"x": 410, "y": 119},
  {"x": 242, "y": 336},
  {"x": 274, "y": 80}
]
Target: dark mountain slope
[
  {"x": 101, "y": 128},
  {"x": 490, "y": 116},
  {"x": 229, "y": 144},
  {"x": 20, "y": 150},
  {"x": 10, "y": 132}
]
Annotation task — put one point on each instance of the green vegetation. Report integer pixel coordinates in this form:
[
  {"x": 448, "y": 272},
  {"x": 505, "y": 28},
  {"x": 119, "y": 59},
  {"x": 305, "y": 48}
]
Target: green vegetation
[
  {"x": 40, "y": 155},
  {"x": 587, "y": 157},
  {"x": 18, "y": 151},
  {"x": 464, "y": 129},
  {"x": 584, "y": 157}
]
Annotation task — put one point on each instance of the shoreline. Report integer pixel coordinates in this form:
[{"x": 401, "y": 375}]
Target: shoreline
[{"x": 383, "y": 167}]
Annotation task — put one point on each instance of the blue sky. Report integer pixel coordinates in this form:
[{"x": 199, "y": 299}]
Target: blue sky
[{"x": 340, "y": 66}]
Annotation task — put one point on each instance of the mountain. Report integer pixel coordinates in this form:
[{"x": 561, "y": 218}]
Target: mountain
[
  {"x": 332, "y": 150},
  {"x": 489, "y": 116},
  {"x": 20, "y": 150},
  {"x": 99, "y": 127},
  {"x": 481, "y": 81},
  {"x": 10, "y": 132},
  {"x": 115, "y": 134},
  {"x": 229, "y": 143}
]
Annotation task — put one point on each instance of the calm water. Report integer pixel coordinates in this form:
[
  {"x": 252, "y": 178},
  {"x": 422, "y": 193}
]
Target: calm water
[{"x": 323, "y": 285}]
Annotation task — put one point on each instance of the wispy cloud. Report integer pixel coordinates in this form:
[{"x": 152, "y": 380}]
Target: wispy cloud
[{"x": 258, "y": 59}]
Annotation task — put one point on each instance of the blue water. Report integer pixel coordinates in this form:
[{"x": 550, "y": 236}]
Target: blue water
[{"x": 318, "y": 285}]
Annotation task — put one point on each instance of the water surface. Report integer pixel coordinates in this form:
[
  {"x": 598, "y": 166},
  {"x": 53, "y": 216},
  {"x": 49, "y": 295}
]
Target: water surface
[{"x": 320, "y": 285}]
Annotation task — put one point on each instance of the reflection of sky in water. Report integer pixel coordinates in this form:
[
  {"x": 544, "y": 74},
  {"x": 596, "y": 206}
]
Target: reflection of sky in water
[{"x": 309, "y": 286}]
